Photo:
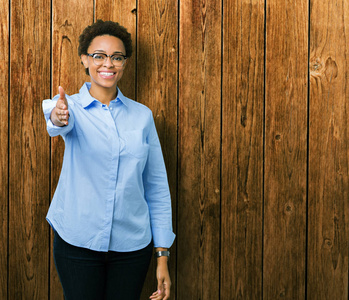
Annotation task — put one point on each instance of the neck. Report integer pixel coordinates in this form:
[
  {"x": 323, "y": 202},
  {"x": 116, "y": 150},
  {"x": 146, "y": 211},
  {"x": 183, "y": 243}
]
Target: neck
[{"x": 103, "y": 95}]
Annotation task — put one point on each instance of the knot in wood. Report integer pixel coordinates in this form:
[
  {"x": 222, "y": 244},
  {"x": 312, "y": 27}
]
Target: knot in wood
[
  {"x": 327, "y": 244},
  {"x": 288, "y": 208},
  {"x": 316, "y": 67},
  {"x": 282, "y": 293},
  {"x": 331, "y": 69},
  {"x": 321, "y": 68}
]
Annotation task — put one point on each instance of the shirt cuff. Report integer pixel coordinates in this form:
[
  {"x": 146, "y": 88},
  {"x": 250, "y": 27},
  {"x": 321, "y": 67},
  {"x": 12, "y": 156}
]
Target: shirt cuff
[
  {"x": 54, "y": 130},
  {"x": 47, "y": 107},
  {"x": 162, "y": 237}
]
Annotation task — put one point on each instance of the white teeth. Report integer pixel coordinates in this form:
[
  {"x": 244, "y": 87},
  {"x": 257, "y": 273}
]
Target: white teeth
[{"x": 106, "y": 74}]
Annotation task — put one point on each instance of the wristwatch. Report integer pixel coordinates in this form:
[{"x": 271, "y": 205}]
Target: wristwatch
[{"x": 162, "y": 253}]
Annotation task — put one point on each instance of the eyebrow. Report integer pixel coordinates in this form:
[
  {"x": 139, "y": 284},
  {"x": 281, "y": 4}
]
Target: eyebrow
[{"x": 116, "y": 52}]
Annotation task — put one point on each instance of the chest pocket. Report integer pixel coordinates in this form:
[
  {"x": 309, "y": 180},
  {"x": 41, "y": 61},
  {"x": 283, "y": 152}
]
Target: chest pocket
[{"x": 134, "y": 143}]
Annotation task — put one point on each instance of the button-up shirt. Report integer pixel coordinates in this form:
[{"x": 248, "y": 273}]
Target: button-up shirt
[{"x": 113, "y": 191}]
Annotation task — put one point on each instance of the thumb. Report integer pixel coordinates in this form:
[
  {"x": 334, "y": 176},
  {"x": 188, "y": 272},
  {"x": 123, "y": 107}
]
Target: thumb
[
  {"x": 62, "y": 95},
  {"x": 61, "y": 92}
]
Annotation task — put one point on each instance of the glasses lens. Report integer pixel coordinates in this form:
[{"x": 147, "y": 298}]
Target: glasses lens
[
  {"x": 99, "y": 58},
  {"x": 118, "y": 60}
]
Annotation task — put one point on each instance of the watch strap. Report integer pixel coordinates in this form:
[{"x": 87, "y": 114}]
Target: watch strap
[{"x": 162, "y": 253}]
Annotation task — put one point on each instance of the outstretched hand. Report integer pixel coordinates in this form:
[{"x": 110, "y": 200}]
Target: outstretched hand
[{"x": 60, "y": 114}]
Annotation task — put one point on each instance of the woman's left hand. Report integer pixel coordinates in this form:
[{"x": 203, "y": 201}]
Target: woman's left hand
[{"x": 164, "y": 281}]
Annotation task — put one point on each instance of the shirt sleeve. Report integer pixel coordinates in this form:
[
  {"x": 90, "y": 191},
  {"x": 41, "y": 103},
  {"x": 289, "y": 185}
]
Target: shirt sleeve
[
  {"x": 157, "y": 192},
  {"x": 47, "y": 106}
]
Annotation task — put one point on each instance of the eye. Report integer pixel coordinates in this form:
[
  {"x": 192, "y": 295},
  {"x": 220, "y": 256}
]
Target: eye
[
  {"x": 99, "y": 56},
  {"x": 117, "y": 58}
]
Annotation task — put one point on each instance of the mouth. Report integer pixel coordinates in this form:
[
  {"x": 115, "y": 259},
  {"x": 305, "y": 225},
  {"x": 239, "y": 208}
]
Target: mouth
[{"x": 107, "y": 75}]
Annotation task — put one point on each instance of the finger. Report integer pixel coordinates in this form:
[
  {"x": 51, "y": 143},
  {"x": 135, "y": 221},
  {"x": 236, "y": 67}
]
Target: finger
[
  {"x": 166, "y": 291},
  {"x": 167, "y": 295},
  {"x": 156, "y": 295},
  {"x": 61, "y": 104},
  {"x": 62, "y": 113},
  {"x": 62, "y": 116}
]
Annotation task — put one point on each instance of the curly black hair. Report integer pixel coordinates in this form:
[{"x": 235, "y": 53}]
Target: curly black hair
[{"x": 104, "y": 28}]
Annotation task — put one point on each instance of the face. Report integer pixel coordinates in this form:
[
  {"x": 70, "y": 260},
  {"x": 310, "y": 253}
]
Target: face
[{"x": 106, "y": 75}]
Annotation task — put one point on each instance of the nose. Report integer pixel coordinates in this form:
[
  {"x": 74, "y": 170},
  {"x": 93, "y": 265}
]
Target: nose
[{"x": 107, "y": 62}]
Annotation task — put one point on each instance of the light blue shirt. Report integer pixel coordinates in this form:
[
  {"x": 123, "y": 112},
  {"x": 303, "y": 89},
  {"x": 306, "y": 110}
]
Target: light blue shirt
[{"x": 113, "y": 192}]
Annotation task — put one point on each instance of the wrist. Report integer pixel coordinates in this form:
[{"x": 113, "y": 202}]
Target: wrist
[
  {"x": 160, "y": 249},
  {"x": 162, "y": 261},
  {"x": 162, "y": 255}
]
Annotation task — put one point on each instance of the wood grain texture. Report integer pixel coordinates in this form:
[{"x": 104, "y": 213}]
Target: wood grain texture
[
  {"x": 157, "y": 66},
  {"x": 285, "y": 150},
  {"x": 4, "y": 121},
  {"x": 29, "y": 150},
  {"x": 125, "y": 13},
  {"x": 328, "y": 154},
  {"x": 67, "y": 71},
  {"x": 199, "y": 149},
  {"x": 242, "y": 150},
  {"x": 248, "y": 226}
]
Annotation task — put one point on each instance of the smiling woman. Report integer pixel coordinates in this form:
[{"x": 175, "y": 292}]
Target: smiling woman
[{"x": 112, "y": 203}]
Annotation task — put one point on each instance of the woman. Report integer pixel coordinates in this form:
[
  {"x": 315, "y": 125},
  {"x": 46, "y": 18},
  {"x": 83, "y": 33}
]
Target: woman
[{"x": 112, "y": 202}]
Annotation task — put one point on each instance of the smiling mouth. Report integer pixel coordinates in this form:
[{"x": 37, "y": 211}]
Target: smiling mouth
[{"x": 107, "y": 73}]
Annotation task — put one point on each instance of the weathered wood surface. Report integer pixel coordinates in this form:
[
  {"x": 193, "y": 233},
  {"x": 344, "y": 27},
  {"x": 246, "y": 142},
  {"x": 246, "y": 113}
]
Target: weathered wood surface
[
  {"x": 242, "y": 150},
  {"x": 4, "y": 162},
  {"x": 199, "y": 149},
  {"x": 285, "y": 163},
  {"x": 250, "y": 102},
  {"x": 157, "y": 88},
  {"x": 328, "y": 151},
  {"x": 67, "y": 71},
  {"x": 28, "y": 148}
]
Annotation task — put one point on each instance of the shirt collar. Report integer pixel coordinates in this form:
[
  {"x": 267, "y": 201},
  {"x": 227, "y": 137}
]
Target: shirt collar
[{"x": 86, "y": 98}]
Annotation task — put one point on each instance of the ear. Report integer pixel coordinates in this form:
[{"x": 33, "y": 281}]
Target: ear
[{"x": 84, "y": 60}]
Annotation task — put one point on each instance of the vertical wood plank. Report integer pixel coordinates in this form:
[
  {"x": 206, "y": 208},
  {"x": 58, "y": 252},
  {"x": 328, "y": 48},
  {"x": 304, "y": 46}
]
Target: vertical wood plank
[
  {"x": 29, "y": 150},
  {"x": 242, "y": 149},
  {"x": 4, "y": 93},
  {"x": 199, "y": 149},
  {"x": 328, "y": 153},
  {"x": 157, "y": 66},
  {"x": 67, "y": 72},
  {"x": 125, "y": 13},
  {"x": 285, "y": 149}
]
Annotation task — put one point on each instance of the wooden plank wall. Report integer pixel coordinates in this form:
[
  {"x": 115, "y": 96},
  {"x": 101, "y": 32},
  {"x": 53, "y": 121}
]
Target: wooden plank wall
[{"x": 250, "y": 101}]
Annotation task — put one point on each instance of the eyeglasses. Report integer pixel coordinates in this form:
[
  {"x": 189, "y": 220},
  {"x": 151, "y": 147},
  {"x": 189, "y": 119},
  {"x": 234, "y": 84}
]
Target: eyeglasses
[{"x": 118, "y": 60}]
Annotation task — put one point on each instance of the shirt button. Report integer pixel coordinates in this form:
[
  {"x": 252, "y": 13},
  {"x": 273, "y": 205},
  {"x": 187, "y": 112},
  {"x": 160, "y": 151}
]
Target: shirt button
[{"x": 111, "y": 108}]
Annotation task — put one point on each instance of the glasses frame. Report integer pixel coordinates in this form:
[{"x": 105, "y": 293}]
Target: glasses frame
[{"x": 92, "y": 54}]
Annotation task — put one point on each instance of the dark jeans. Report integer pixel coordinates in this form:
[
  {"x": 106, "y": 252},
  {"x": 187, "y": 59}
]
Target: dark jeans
[{"x": 92, "y": 275}]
